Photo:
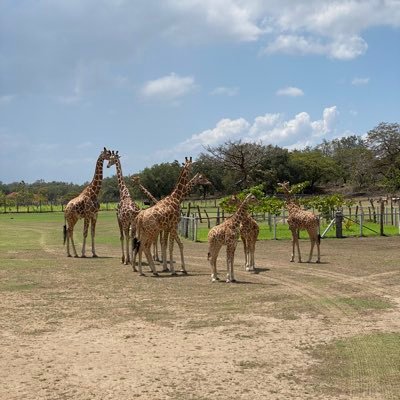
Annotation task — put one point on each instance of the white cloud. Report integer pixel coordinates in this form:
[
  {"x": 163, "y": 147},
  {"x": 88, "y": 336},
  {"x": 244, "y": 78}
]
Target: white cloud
[
  {"x": 170, "y": 87},
  {"x": 360, "y": 81},
  {"x": 47, "y": 44},
  {"x": 298, "y": 132},
  {"x": 225, "y": 91},
  {"x": 341, "y": 47},
  {"x": 290, "y": 91}
]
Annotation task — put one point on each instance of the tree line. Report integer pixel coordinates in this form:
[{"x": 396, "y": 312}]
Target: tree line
[{"x": 368, "y": 163}]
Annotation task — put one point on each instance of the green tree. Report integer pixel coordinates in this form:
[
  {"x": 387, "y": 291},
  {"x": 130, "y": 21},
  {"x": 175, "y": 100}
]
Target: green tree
[
  {"x": 160, "y": 179},
  {"x": 313, "y": 166},
  {"x": 384, "y": 142},
  {"x": 239, "y": 161}
]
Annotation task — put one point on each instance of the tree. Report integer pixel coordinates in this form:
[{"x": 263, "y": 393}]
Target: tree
[
  {"x": 160, "y": 179},
  {"x": 239, "y": 159},
  {"x": 343, "y": 151},
  {"x": 275, "y": 167},
  {"x": 384, "y": 142},
  {"x": 313, "y": 166}
]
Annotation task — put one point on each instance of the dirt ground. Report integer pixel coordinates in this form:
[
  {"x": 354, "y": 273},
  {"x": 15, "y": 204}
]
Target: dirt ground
[{"x": 93, "y": 329}]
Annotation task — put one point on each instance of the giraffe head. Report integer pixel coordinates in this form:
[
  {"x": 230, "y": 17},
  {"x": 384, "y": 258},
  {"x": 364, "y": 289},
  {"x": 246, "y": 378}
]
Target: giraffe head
[
  {"x": 250, "y": 199},
  {"x": 285, "y": 187},
  {"x": 200, "y": 179},
  {"x": 135, "y": 179},
  {"x": 105, "y": 154},
  {"x": 112, "y": 160}
]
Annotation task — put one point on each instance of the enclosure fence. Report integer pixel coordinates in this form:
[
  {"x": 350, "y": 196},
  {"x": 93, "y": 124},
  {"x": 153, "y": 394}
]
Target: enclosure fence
[{"x": 339, "y": 225}]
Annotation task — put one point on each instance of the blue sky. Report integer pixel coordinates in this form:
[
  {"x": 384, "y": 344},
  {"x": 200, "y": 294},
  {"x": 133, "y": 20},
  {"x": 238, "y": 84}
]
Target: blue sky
[{"x": 159, "y": 80}]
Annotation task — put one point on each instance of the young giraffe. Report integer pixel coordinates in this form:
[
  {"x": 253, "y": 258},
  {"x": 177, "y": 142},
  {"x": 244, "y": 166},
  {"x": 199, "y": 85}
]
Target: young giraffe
[
  {"x": 301, "y": 219},
  {"x": 85, "y": 206},
  {"x": 127, "y": 210},
  {"x": 227, "y": 233},
  {"x": 163, "y": 216},
  {"x": 249, "y": 231},
  {"x": 198, "y": 179}
]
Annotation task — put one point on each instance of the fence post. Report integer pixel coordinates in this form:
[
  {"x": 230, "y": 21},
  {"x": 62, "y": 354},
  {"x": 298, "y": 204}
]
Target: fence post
[
  {"x": 361, "y": 223},
  {"x": 338, "y": 222}
]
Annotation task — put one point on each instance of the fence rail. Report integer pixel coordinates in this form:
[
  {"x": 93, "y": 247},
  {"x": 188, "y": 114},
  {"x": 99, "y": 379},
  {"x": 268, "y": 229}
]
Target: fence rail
[{"x": 195, "y": 228}]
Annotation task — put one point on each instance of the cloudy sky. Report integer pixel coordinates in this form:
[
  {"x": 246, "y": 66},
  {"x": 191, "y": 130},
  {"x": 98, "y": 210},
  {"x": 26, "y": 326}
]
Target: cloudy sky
[{"x": 158, "y": 80}]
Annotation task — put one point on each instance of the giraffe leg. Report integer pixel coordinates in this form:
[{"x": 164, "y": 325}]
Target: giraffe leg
[
  {"x": 252, "y": 250},
  {"x": 134, "y": 252},
  {"x": 180, "y": 245},
  {"x": 171, "y": 251},
  {"x": 298, "y": 246},
  {"x": 246, "y": 254},
  {"x": 149, "y": 257},
  {"x": 294, "y": 234},
  {"x": 313, "y": 239},
  {"x": 70, "y": 236},
  {"x": 121, "y": 239},
  {"x": 85, "y": 233},
  {"x": 230, "y": 255},
  {"x": 213, "y": 251},
  {"x": 127, "y": 243},
  {"x": 318, "y": 241},
  {"x": 93, "y": 233},
  {"x": 164, "y": 242}
]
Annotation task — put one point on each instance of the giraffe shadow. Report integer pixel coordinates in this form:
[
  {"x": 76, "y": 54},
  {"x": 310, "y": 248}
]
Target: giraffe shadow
[{"x": 259, "y": 270}]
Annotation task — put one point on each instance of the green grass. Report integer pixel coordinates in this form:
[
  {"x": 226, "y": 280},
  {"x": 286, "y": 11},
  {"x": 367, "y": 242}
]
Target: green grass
[
  {"x": 367, "y": 365},
  {"x": 283, "y": 233}
]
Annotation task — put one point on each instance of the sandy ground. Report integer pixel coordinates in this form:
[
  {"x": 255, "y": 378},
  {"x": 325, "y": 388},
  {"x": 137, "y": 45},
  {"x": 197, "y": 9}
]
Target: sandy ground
[{"x": 93, "y": 329}]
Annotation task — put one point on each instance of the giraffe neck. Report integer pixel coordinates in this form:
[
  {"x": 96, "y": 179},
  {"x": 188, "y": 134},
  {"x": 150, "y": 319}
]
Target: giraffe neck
[
  {"x": 179, "y": 192},
  {"x": 147, "y": 194},
  {"x": 292, "y": 205},
  {"x": 123, "y": 190},
  {"x": 240, "y": 213},
  {"x": 95, "y": 185},
  {"x": 190, "y": 185}
]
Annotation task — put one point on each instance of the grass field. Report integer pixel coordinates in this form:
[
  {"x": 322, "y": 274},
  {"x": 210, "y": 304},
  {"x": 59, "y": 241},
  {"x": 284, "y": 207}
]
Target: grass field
[{"x": 77, "y": 328}]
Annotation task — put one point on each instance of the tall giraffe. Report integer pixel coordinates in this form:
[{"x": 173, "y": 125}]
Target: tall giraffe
[
  {"x": 198, "y": 179},
  {"x": 136, "y": 181},
  {"x": 248, "y": 231},
  {"x": 163, "y": 216},
  {"x": 127, "y": 210},
  {"x": 301, "y": 219},
  {"x": 85, "y": 206},
  {"x": 227, "y": 233}
]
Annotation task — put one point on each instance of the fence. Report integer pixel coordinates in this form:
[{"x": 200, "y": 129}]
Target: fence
[{"x": 195, "y": 228}]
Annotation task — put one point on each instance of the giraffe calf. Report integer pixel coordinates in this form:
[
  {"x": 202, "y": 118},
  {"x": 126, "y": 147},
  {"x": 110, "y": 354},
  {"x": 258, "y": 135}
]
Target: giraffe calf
[{"x": 227, "y": 233}]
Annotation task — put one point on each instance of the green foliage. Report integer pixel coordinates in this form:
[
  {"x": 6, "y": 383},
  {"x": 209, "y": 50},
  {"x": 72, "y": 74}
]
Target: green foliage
[{"x": 326, "y": 205}]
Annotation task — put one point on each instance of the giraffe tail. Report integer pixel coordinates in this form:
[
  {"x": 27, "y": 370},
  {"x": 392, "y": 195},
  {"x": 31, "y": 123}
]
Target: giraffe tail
[
  {"x": 208, "y": 255},
  {"x": 136, "y": 244},
  {"x": 65, "y": 233},
  {"x": 319, "y": 239}
]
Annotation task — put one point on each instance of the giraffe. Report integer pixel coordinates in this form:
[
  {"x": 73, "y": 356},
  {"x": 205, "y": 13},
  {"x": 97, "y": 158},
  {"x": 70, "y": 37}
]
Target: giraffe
[
  {"x": 198, "y": 179},
  {"x": 127, "y": 210},
  {"x": 136, "y": 181},
  {"x": 227, "y": 233},
  {"x": 248, "y": 231},
  {"x": 163, "y": 216},
  {"x": 85, "y": 206},
  {"x": 301, "y": 219}
]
